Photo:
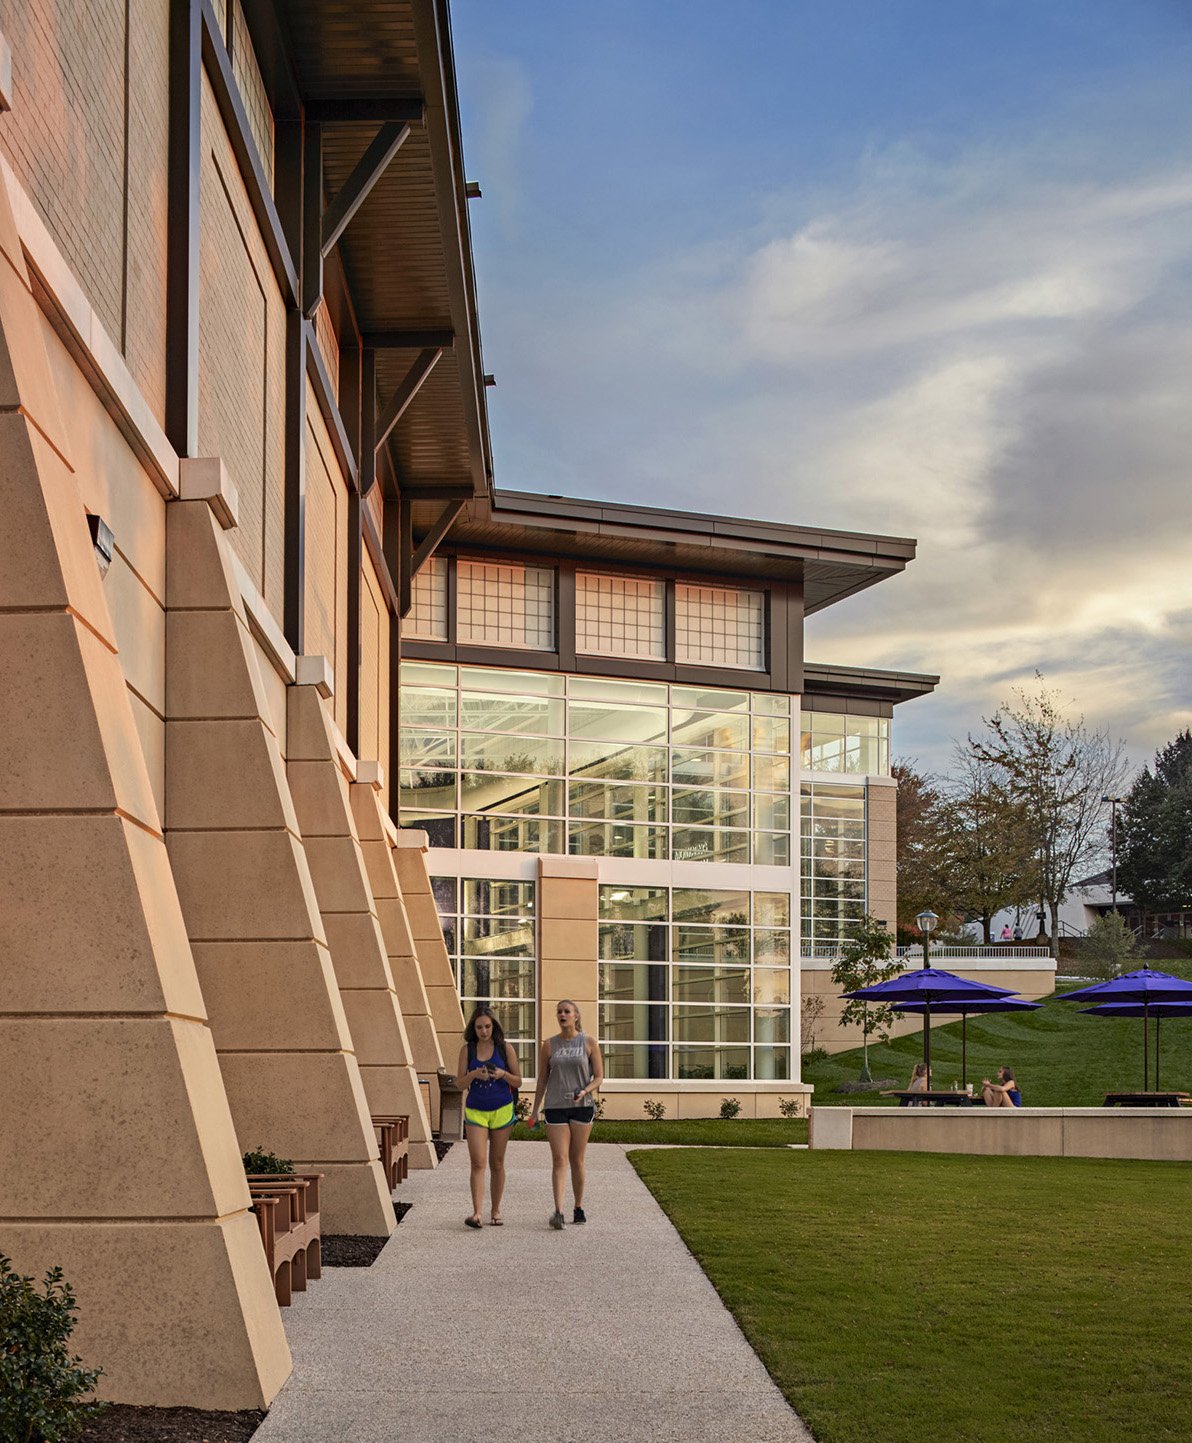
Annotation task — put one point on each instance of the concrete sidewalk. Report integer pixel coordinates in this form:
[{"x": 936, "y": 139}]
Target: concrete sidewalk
[{"x": 606, "y": 1333}]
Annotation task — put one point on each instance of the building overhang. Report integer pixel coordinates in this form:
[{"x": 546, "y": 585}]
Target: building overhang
[
  {"x": 820, "y": 679},
  {"x": 830, "y": 565}
]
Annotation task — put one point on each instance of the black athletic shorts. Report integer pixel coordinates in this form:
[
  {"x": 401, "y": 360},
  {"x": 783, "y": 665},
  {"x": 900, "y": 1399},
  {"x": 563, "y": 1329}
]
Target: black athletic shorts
[{"x": 571, "y": 1114}]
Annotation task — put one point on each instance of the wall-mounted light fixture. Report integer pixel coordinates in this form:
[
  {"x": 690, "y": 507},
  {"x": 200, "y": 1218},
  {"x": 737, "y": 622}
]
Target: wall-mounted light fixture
[{"x": 103, "y": 540}]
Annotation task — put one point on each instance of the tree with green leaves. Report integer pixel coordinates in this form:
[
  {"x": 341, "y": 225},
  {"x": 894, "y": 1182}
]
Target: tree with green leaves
[
  {"x": 1059, "y": 770},
  {"x": 865, "y": 959},
  {"x": 921, "y": 867},
  {"x": 1155, "y": 832},
  {"x": 986, "y": 843},
  {"x": 1108, "y": 948}
]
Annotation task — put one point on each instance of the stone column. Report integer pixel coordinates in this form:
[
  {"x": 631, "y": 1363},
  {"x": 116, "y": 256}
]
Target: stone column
[
  {"x": 567, "y": 925},
  {"x": 285, "y": 1048},
  {"x": 433, "y": 962},
  {"x": 118, "y": 1159},
  {"x": 324, "y": 800},
  {"x": 881, "y": 799}
]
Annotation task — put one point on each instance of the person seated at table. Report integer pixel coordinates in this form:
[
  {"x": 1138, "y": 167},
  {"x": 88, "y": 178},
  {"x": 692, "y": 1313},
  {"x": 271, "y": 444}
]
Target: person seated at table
[
  {"x": 920, "y": 1082},
  {"x": 1002, "y": 1093}
]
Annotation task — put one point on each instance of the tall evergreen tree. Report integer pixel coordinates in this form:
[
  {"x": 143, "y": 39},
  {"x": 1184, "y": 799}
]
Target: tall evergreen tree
[{"x": 1155, "y": 833}]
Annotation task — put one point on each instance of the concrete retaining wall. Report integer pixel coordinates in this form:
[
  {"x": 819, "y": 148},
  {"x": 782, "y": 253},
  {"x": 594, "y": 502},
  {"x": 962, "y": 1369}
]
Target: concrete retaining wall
[{"x": 1159, "y": 1133}]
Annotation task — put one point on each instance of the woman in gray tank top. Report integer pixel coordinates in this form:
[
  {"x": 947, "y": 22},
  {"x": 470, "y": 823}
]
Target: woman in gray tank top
[{"x": 570, "y": 1070}]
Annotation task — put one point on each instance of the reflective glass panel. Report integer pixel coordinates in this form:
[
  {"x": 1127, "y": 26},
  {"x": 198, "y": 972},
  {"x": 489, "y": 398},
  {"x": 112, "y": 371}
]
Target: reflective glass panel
[
  {"x": 422, "y": 707},
  {"x": 770, "y": 704},
  {"x": 771, "y": 734},
  {"x": 772, "y": 849},
  {"x": 616, "y": 839},
  {"x": 617, "y": 802},
  {"x": 485, "y": 792},
  {"x": 710, "y": 769},
  {"x": 700, "y": 807},
  {"x": 427, "y": 749},
  {"x": 490, "y": 833},
  {"x": 772, "y": 774},
  {"x": 696, "y": 1064},
  {"x": 634, "y": 903},
  {"x": 696, "y": 844},
  {"x": 593, "y": 688},
  {"x": 641, "y": 1060},
  {"x": 632, "y": 1022},
  {"x": 427, "y": 673},
  {"x": 772, "y": 813},
  {"x": 720, "y": 985},
  {"x": 772, "y": 1063},
  {"x": 521, "y": 683},
  {"x": 771, "y": 909},
  {"x": 772, "y": 1024},
  {"x": 691, "y": 1022},
  {"x": 695, "y": 698},
  {"x": 771, "y": 947},
  {"x": 725, "y": 730},
  {"x": 703, "y": 904},
  {"x": 427, "y": 789},
  {"x": 637, "y": 941},
  {"x": 496, "y": 977},
  {"x": 771, "y": 986},
  {"x": 497, "y": 936},
  {"x": 710, "y": 944},
  {"x": 497, "y": 897},
  {"x": 481, "y": 752},
  {"x": 525, "y": 715},
  {"x": 440, "y": 830},
  {"x": 615, "y": 722},
  {"x": 633, "y": 982},
  {"x": 617, "y": 762}
]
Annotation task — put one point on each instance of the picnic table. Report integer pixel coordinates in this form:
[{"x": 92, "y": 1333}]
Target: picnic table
[
  {"x": 1144, "y": 1099},
  {"x": 934, "y": 1099}
]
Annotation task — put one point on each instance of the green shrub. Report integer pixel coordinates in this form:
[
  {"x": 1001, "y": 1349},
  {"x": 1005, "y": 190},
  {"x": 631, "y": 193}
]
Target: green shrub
[
  {"x": 814, "y": 1055},
  {"x": 730, "y": 1107},
  {"x": 1109, "y": 947},
  {"x": 261, "y": 1161},
  {"x": 521, "y": 1109},
  {"x": 654, "y": 1110},
  {"x": 789, "y": 1107},
  {"x": 43, "y": 1388}
]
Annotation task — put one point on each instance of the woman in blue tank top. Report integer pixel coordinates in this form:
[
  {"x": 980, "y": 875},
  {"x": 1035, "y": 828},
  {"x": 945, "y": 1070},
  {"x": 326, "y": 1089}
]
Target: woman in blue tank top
[{"x": 488, "y": 1069}]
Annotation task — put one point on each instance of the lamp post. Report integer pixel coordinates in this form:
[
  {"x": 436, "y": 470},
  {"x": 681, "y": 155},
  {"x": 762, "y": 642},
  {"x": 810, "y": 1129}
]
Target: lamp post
[
  {"x": 927, "y": 920},
  {"x": 1114, "y": 803}
]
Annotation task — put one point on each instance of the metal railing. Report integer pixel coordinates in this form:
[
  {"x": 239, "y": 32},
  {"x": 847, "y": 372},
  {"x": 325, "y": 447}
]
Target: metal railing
[{"x": 827, "y": 952}]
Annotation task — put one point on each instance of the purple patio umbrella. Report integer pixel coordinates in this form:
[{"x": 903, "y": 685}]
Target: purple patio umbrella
[
  {"x": 1156, "y": 1010},
  {"x": 972, "y": 1007},
  {"x": 928, "y": 986},
  {"x": 1145, "y": 987}
]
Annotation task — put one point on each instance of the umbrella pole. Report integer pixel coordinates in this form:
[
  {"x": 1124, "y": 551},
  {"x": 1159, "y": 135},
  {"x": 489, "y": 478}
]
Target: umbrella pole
[
  {"x": 1146, "y": 1043},
  {"x": 927, "y": 1041},
  {"x": 963, "y": 1050},
  {"x": 1157, "y": 1021}
]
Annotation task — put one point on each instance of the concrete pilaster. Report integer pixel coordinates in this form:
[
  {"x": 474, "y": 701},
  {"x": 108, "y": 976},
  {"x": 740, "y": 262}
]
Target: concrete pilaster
[
  {"x": 409, "y": 853},
  {"x": 118, "y": 1158},
  {"x": 567, "y": 950},
  {"x": 285, "y": 1047}
]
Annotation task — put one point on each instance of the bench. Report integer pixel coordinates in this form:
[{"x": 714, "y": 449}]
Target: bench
[
  {"x": 288, "y": 1218},
  {"x": 393, "y": 1136}
]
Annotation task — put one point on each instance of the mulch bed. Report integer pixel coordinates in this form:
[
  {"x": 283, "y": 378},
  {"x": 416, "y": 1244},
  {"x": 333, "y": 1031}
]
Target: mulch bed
[
  {"x": 122, "y": 1423},
  {"x": 442, "y": 1148},
  {"x": 357, "y": 1250}
]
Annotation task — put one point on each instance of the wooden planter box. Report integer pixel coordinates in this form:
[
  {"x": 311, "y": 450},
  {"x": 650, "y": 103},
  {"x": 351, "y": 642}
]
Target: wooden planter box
[
  {"x": 393, "y": 1137},
  {"x": 287, "y": 1209}
]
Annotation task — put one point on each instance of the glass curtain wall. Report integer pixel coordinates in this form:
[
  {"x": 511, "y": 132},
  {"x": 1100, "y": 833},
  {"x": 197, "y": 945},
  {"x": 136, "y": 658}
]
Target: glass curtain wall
[
  {"x": 833, "y": 861},
  {"x": 833, "y": 742},
  {"x": 536, "y": 762},
  {"x": 694, "y": 984},
  {"x": 488, "y": 924}
]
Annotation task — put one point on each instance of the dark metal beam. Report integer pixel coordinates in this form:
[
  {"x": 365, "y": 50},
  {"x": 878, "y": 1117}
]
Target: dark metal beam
[
  {"x": 355, "y": 190},
  {"x": 316, "y": 370},
  {"x": 399, "y": 403},
  {"x": 269, "y": 47},
  {"x": 428, "y": 544},
  {"x": 294, "y": 619},
  {"x": 375, "y": 549},
  {"x": 248, "y": 160},
  {"x": 182, "y": 235},
  {"x": 444, "y": 491},
  {"x": 442, "y": 339},
  {"x": 363, "y": 109},
  {"x": 405, "y": 551},
  {"x": 312, "y": 218},
  {"x": 368, "y": 420}
]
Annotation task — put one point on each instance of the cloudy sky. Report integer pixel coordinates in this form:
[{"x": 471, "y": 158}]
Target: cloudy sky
[{"x": 912, "y": 266}]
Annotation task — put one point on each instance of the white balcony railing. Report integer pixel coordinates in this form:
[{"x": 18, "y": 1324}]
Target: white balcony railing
[{"x": 825, "y": 953}]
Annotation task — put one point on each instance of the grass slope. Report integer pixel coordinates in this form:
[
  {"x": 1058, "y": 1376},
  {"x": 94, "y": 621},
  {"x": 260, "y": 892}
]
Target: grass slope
[
  {"x": 1061, "y": 1058},
  {"x": 902, "y": 1297},
  {"x": 692, "y": 1132}
]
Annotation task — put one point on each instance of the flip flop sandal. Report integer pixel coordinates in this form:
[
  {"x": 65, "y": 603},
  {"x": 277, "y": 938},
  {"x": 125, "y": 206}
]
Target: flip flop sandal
[
  {"x": 472, "y": 1223},
  {"x": 496, "y": 1222}
]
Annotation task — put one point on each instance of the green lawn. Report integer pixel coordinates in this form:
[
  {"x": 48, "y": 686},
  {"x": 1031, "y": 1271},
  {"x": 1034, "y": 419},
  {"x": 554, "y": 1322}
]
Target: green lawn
[
  {"x": 695, "y": 1132},
  {"x": 1061, "y": 1058},
  {"x": 902, "y": 1298}
]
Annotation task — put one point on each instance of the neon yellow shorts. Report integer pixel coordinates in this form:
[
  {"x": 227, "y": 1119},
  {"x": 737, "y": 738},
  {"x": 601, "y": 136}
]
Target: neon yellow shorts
[{"x": 495, "y": 1120}]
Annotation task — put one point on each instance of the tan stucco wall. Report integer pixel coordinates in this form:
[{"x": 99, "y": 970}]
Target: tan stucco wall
[{"x": 627, "y": 1100}]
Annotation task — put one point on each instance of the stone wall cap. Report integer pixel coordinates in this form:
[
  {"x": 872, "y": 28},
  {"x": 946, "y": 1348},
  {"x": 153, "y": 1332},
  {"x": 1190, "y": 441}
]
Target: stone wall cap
[
  {"x": 314, "y": 670},
  {"x": 205, "y": 478},
  {"x": 370, "y": 774},
  {"x": 413, "y": 838},
  {"x": 583, "y": 867}
]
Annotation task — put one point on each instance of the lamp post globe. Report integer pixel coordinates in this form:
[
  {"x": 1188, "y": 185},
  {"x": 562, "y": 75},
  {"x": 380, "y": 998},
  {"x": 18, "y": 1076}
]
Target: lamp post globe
[{"x": 927, "y": 921}]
